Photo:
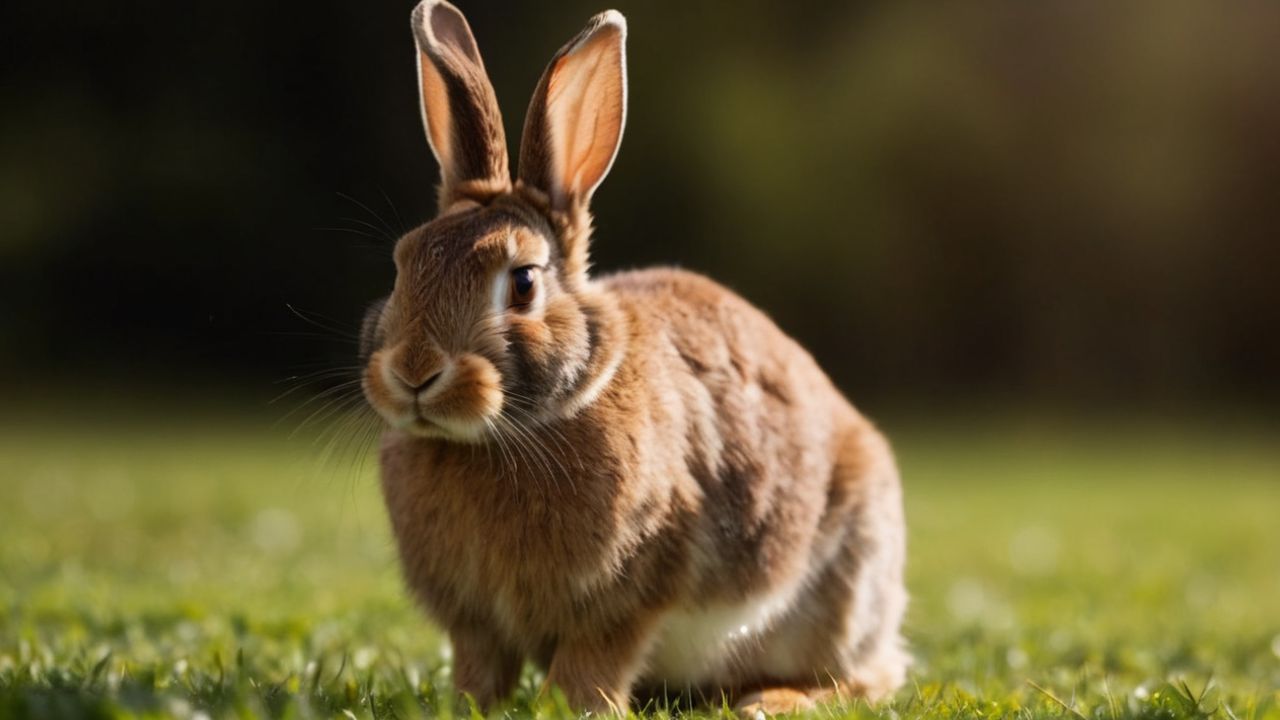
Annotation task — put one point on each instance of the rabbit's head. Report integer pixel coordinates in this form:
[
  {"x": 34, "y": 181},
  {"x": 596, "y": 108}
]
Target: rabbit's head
[{"x": 492, "y": 310}]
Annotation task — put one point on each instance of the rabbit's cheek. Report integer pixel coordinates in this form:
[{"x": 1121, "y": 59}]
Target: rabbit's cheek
[
  {"x": 550, "y": 353},
  {"x": 568, "y": 327},
  {"x": 380, "y": 395},
  {"x": 531, "y": 333}
]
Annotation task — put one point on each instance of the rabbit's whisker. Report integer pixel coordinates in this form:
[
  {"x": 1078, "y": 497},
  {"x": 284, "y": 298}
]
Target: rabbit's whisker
[
  {"x": 327, "y": 410},
  {"x": 530, "y": 444},
  {"x": 399, "y": 220},
  {"x": 341, "y": 389},
  {"x": 558, "y": 437},
  {"x": 303, "y": 382},
  {"x": 535, "y": 440},
  {"x": 383, "y": 235},
  {"x": 378, "y": 239},
  {"x": 366, "y": 208},
  {"x": 333, "y": 326},
  {"x": 506, "y": 459}
]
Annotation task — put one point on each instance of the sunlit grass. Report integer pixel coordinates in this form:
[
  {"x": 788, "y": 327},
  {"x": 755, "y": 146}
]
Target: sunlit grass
[{"x": 1119, "y": 570}]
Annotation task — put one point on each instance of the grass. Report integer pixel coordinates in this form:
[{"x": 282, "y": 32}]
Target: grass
[{"x": 219, "y": 569}]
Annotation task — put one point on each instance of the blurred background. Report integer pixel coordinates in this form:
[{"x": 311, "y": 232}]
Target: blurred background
[
  {"x": 1059, "y": 203},
  {"x": 1038, "y": 241}
]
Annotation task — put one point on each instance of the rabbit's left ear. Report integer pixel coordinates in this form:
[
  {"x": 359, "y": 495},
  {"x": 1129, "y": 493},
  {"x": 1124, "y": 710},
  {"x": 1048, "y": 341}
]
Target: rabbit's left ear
[
  {"x": 460, "y": 111},
  {"x": 574, "y": 125}
]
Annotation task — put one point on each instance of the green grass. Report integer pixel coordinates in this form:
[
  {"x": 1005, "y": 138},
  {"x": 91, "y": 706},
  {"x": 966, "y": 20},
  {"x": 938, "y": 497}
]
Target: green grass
[{"x": 161, "y": 569}]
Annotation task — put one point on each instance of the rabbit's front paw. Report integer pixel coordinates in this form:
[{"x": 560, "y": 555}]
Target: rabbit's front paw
[{"x": 766, "y": 703}]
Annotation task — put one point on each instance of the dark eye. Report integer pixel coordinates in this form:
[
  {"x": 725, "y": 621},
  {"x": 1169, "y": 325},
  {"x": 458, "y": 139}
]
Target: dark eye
[{"x": 523, "y": 286}]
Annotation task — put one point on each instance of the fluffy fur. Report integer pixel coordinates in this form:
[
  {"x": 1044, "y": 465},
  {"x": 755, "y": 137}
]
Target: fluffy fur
[{"x": 638, "y": 481}]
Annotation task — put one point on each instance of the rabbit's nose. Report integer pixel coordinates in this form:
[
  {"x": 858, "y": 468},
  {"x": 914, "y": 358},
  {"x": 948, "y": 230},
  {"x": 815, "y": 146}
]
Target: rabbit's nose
[
  {"x": 414, "y": 368},
  {"x": 415, "y": 389},
  {"x": 425, "y": 384}
]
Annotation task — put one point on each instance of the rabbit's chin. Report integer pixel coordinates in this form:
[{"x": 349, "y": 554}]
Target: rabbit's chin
[{"x": 456, "y": 431}]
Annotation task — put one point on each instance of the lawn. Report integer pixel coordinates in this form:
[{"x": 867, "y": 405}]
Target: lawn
[{"x": 176, "y": 567}]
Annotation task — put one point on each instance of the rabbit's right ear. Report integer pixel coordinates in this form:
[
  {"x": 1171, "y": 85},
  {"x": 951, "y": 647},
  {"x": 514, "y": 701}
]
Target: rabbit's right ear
[
  {"x": 459, "y": 109},
  {"x": 574, "y": 125}
]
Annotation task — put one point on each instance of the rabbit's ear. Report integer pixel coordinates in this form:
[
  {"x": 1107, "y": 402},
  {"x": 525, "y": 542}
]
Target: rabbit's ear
[
  {"x": 459, "y": 108},
  {"x": 574, "y": 125}
]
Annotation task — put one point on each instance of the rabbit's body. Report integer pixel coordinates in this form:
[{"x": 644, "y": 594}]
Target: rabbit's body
[
  {"x": 748, "y": 526},
  {"x": 637, "y": 481}
]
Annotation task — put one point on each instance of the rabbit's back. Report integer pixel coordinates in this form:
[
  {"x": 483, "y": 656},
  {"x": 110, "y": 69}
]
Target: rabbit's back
[
  {"x": 762, "y": 427},
  {"x": 788, "y": 474}
]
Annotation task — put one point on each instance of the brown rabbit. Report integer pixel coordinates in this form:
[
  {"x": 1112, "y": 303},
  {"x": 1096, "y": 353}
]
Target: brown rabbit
[{"x": 636, "y": 481}]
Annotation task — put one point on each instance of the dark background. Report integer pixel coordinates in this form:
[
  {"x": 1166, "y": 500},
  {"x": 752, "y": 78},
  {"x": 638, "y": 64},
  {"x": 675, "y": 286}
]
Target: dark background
[{"x": 1057, "y": 203}]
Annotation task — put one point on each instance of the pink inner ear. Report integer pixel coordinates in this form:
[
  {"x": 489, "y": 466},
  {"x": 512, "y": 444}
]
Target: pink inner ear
[
  {"x": 435, "y": 110},
  {"x": 585, "y": 111}
]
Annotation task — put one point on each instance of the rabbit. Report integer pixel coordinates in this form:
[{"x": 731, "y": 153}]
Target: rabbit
[{"x": 637, "y": 482}]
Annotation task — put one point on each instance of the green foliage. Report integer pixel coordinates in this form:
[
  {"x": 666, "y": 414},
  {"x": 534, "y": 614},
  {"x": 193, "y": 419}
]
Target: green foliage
[{"x": 157, "y": 571}]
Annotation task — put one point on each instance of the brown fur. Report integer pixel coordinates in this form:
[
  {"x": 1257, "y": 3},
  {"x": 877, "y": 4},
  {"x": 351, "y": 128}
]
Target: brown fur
[{"x": 571, "y": 481}]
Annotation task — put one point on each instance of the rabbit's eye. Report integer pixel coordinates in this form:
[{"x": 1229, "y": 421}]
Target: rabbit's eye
[{"x": 523, "y": 286}]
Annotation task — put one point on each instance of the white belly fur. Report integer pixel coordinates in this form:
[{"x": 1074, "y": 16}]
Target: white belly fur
[{"x": 700, "y": 645}]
